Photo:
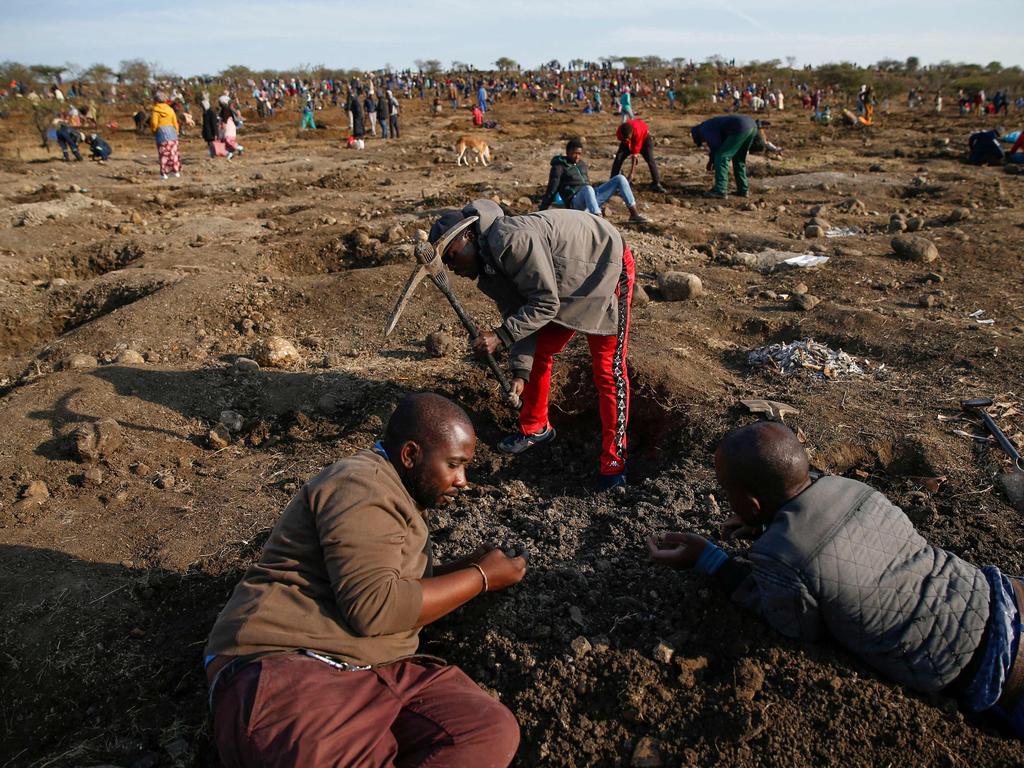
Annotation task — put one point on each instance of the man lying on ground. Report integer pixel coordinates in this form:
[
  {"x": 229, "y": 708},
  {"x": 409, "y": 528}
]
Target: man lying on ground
[
  {"x": 313, "y": 661},
  {"x": 836, "y": 557},
  {"x": 570, "y": 180}
]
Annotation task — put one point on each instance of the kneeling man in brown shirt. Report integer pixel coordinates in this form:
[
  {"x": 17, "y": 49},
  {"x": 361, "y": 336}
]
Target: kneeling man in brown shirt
[{"x": 313, "y": 660}]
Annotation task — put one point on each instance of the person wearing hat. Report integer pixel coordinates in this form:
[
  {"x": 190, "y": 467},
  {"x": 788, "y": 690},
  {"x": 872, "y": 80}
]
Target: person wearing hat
[
  {"x": 728, "y": 138},
  {"x": 569, "y": 179},
  {"x": 99, "y": 149},
  {"x": 552, "y": 274}
]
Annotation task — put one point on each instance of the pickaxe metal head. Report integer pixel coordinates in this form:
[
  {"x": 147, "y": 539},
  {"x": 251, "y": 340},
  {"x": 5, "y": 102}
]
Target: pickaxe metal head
[
  {"x": 770, "y": 409},
  {"x": 430, "y": 264}
]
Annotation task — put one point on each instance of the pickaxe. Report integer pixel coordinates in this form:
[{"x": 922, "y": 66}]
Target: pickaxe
[
  {"x": 1012, "y": 482},
  {"x": 431, "y": 265},
  {"x": 770, "y": 409}
]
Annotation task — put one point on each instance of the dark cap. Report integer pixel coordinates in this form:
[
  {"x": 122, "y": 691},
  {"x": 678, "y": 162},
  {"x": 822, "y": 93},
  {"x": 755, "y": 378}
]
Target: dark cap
[{"x": 448, "y": 220}]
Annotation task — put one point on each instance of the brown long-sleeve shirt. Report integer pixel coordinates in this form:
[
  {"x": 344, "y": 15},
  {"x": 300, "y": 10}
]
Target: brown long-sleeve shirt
[{"x": 339, "y": 574}]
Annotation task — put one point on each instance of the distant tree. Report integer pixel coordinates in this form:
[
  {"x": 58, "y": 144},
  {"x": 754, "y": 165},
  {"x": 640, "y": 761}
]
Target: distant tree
[
  {"x": 912, "y": 64},
  {"x": 135, "y": 72},
  {"x": 431, "y": 66},
  {"x": 235, "y": 72},
  {"x": 99, "y": 75},
  {"x": 791, "y": 62},
  {"x": 678, "y": 62},
  {"x": 889, "y": 65},
  {"x": 652, "y": 62},
  {"x": 46, "y": 74},
  {"x": 505, "y": 64},
  {"x": 994, "y": 66}
]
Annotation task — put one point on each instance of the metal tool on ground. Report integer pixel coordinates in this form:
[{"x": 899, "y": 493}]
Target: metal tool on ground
[
  {"x": 772, "y": 410},
  {"x": 1011, "y": 482},
  {"x": 431, "y": 266}
]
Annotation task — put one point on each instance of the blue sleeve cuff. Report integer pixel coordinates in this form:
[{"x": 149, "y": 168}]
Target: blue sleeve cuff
[{"x": 710, "y": 560}]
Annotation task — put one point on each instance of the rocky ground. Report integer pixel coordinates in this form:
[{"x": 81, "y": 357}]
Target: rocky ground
[{"x": 177, "y": 358}]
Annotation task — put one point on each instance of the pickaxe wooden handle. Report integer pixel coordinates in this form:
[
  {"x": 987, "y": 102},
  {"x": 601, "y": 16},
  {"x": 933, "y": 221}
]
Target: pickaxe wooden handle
[
  {"x": 474, "y": 331},
  {"x": 430, "y": 265}
]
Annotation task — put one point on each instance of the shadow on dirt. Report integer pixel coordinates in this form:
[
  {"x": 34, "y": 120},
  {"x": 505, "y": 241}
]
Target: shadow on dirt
[{"x": 101, "y": 662}]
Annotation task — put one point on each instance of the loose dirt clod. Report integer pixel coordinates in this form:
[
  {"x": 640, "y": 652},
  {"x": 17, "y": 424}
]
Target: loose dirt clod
[
  {"x": 440, "y": 344},
  {"x": 98, "y": 440},
  {"x": 37, "y": 491}
]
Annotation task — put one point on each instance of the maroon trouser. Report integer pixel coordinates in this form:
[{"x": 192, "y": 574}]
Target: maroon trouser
[{"x": 294, "y": 711}]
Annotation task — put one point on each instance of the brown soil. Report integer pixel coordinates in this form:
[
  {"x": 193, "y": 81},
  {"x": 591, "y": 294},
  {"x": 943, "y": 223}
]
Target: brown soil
[{"x": 109, "y": 590}]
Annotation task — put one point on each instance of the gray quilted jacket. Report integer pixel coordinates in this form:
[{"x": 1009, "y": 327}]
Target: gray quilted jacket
[{"x": 842, "y": 558}]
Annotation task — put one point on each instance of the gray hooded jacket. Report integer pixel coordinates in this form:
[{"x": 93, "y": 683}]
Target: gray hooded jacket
[
  {"x": 841, "y": 557},
  {"x": 551, "y": 266}
]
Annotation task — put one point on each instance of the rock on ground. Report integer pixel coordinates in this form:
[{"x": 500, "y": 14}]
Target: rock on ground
[
  {"x": 276, "y": 352},
  {"x": 805, "y": 302},
  {"x": 79, "y": 362},
  {"x": 679, "y": 286},
  {"x": 915, "y": 248}
]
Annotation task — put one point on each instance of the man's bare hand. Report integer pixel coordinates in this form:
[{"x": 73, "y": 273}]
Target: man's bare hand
[
  {"x": 502, "y": 571},
  {"x": 735, "y": 528},
  {"x": 518, "y": 385},
  {"x": 678, "y": 550},
  {"x": 486, "y": 343}
]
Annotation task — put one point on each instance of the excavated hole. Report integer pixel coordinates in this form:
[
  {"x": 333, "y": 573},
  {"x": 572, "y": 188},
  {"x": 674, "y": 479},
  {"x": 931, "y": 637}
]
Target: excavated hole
[{"x": 656, "y": 427}]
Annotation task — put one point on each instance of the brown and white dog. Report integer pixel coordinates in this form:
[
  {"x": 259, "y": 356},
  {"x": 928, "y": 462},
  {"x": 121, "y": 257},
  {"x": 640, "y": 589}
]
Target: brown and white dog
[{"x": 481, "y": 152}]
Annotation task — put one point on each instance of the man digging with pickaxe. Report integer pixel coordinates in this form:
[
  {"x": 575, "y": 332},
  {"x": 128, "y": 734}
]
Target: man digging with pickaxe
[{"x": 551, "y": 273}]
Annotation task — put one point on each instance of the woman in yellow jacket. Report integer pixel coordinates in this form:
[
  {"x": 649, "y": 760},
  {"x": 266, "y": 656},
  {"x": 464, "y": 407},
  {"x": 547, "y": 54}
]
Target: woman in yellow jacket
[{"x": 164, "y": 124}]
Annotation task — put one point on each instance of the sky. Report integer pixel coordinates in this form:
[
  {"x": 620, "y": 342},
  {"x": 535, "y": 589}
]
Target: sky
[{"x": 189, "y": 37}]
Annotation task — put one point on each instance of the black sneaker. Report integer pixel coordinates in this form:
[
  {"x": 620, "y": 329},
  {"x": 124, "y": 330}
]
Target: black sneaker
[
  {"x": 517, "y": 442},
  {"x": 744, "y": 193},
  {"x": 715, "y": 194},
  {"x": 659, "y": 188}
]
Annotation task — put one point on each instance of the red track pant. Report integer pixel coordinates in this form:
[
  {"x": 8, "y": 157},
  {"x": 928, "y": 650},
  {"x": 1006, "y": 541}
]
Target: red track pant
[
  {"x": 608, "y": 360},
  {"x": 291, "y": 711}
]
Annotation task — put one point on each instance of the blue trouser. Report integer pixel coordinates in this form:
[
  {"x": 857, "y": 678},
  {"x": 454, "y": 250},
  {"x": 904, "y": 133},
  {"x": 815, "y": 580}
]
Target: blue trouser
[
  {"x": 588, "y": 198},
  {"x": 66, "y": 144}
]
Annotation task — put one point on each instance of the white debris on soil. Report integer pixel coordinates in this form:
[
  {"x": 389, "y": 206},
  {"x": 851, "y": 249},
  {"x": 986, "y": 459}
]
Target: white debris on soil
[
  {"x": 806, "y": 355},
  {"x": 843, "y": 231},
  {"x": 771, "y": 260}
]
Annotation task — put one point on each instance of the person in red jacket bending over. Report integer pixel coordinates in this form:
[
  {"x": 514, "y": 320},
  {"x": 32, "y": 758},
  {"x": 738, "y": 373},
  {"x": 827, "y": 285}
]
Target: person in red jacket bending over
[{"x": 635, "y": 140}]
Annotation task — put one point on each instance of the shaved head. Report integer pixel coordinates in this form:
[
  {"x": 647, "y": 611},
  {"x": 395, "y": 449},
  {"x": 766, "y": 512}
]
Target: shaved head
[
  {"x": 763, "y": 460},
  {"x": 426, "y": 419}
]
